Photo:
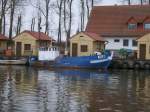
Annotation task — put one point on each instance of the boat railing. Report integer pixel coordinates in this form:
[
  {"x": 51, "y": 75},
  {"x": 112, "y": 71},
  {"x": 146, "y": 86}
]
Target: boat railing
[
  {"x": 48, "y": 49},
  {"x": 49, "y": 53}
]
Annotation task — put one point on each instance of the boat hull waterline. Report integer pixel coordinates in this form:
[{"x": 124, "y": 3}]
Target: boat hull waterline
[
  {"x": 94, "y": 62},
  {"x": 13, "y": 62}
]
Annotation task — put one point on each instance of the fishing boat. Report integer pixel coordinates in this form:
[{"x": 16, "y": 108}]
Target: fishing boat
[
  {"x": 51, "y": 57},
  {"x": 95, "y": 61},
  {"x": 13, "y": 61}
]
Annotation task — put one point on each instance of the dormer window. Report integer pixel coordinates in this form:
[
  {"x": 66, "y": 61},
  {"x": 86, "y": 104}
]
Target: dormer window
[
  {"x": 132, "y": 26},
  {"x": 147, "y": 26}
]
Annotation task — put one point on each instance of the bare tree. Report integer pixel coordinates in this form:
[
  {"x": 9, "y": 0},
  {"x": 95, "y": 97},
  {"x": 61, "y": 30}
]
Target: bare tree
[
  {"x": 90, "y": 5},
  {"x": 59, "y": 5},
  {"x": 33, "y": 24},
  {"x": 67, "y": 19},
  {"x": 44, "y": 10},
  {"x": 12, "y": 9},
  {"x": 19, "y": 24},
  {"x": 47, "y": 2},
  {"x": 13, "y": 5},
  {"x": 128, "y": 1},
  {"x": 70, "y": 18},
  {"x": 141, "y": 1},
  {"x": 4, "y": 9},
  {"x": 82, "y": 18},
  {"x": 88, "y": 8}
]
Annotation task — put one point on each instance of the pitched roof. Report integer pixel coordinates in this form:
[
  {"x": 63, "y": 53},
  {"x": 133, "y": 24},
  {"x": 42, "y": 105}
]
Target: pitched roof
[
  {"x": 112, "y": 20},
  {"x": 94, "y": 36},
  {"x": 3, "y": 37},
  {"x": 38, "y": 36}
]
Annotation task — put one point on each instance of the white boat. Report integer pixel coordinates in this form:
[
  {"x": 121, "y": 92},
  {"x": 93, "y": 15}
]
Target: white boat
[
  {"x": 48, "y": 54},
  {"x": 13, "y": 61}
]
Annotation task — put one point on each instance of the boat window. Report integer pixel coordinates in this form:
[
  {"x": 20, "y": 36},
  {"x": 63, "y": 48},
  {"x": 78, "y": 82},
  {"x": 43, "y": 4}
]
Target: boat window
[{"x": 84, "y": 48}]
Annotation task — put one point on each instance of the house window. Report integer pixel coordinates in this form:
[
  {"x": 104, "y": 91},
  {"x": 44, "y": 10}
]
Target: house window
[
  {"x": 27, "y": 47},
  {"x": 125, "y": 42},
  {"x": 134, "y": 43},
  {"x": 84, "y": 48},
  {"x": 116, "y": 40},
  {"x": 132, "y": 26},
  {"x": 147, "y": 26}
]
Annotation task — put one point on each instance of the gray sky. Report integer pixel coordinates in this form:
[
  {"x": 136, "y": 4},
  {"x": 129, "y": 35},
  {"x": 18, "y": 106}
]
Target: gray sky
[
  {"x": 109, "y": 2},
  {"x": 30, "y": 12}
]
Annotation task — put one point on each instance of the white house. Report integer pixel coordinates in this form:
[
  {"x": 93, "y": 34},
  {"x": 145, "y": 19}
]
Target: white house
[
  {"x": 120, "y": 26},
  {"x": 116, "y": 43}
]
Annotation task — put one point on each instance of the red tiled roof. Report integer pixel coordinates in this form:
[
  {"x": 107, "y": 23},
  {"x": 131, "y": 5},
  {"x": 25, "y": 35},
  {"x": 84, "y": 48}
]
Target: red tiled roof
[
  {"x": 2, "y": 37},
  {"x": 112, "y": 20},
  {"x": 39, "y": 36},
  {"x": 94, "y": 36}
]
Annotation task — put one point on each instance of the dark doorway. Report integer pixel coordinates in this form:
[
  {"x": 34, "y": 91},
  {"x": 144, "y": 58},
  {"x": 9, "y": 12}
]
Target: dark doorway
[
  {"x": 18, "y": 48},
  {"x": 74, "y": 49},
  {"x": 142, "y": 51}
]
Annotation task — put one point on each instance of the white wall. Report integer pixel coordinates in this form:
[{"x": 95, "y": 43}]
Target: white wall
[{"x": 111, "y": 45}]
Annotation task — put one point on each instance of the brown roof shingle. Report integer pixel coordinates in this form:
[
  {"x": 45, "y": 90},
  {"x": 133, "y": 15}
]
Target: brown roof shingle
[
  {"x": 94, "y": 36},
  {"x": 39, "y": 36},
  {"x": 112, "y": 20}
]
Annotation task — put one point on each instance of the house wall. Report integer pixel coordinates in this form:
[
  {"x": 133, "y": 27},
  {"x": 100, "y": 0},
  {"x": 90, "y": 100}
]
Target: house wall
[
  {"x": 144, "y": 40},
  {"x": 82, "y": 39},
  {"x": 111, "y": 45},
  {"x": 98, "y": 46},
  {"x": 3, "y": 46},
  {"x": 85, "y": 40},
  {"x": 25, "y": 38}
]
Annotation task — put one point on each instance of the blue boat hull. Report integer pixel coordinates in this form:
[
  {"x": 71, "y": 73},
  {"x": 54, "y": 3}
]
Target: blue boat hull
[{"x": 94, "y": 62}]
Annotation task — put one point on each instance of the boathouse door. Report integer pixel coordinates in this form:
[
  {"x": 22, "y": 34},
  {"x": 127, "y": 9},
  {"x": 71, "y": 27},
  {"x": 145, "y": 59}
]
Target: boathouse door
[
  {"x": 142, "y": 51},
  {"x": 74, "y": 49},
  {"x": 18, "y": 48}
]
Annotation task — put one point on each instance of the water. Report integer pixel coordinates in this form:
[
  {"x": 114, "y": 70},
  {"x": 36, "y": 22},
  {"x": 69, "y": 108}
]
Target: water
[{"x": 37, "y": 90}]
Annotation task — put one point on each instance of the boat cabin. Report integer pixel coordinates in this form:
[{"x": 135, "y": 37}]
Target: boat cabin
[
  {"x": 48, "y": 54},
  {"x": 86, "y": 43}
]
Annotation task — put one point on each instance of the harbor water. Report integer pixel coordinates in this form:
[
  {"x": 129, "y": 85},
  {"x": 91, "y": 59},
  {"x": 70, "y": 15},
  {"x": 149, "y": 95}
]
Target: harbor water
[{"x": 25, "y": 89}]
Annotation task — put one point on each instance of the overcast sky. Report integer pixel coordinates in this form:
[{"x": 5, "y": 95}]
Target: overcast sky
[
  {"x": 30, "y": 11},
  {"x": 109, "y": 2}
]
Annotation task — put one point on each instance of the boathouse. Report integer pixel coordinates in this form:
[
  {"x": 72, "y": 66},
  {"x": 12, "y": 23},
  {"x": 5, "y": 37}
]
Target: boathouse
[
  {"x": 144, "y": 47},
  {"x": 86, "y": 43},
  {"x": 3, "y": 44},
  {"x": 120, "y": 25},
  {"x": 28, "y": 43}
]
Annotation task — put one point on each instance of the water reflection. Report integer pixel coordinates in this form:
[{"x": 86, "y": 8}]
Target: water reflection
[{"x": 38, "y": 90}]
